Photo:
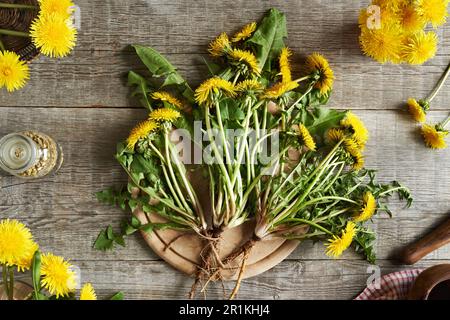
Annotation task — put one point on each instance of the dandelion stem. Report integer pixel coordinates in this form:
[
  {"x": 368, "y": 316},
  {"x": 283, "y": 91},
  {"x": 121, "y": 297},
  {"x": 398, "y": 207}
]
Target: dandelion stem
[
  {"x": 11, "y": 283},
  {"x": 439, "y": 84},
  {"x": 390, "y": 191},
  {"x": 2, "y": 46},
  {"x": 5, "y": 279},
  {"x": 172, "y": 173},
  {"x": 445, "y": 123},
  {"x": 312, "y": 224},
  {"x": 303, "y": 78},
  {"x": 14, "y": 33},
  {"x": 17, "y": 6}
]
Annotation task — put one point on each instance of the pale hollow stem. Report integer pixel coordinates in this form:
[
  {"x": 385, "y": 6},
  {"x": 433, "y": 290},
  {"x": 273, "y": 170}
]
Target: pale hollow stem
[
  {"x": 189, "y": 189},
  {"x": 14, "y": 33},
  {"x": 223, "y": 137},
  {"x": 254, "y": 183},
  {"x": 11, "y": 283},
  {"x": 217, "y": 154},
  {"x": 439, "y": 85},
  {"x": 172, "y": 173},
  {"x": 236, "y": 77},
  {"x": 5, "y": 279},
  {"x": 318, "y": 173},
  {"x": 242, "y": 146},
  {"x": 334, "y": 173},
  {"x": 391, "y": 190},
  {"x": 313, "y": 224},
  {"x": 330, "y": 184},
  {"x": 325, "y": 199},
  {"x": 172, "y": 190},
  {"x": 335, "y": 214},
  {"x": 303, "y": 78},
  {"x": 445, "y": 123},
  {"x": 301, "y": 98},
  {"x": 17, "y": 6},
  {"x": 169, "y": 183},
  {"x": 212, "y": 186},
  {"x": 258, "y": 136}
]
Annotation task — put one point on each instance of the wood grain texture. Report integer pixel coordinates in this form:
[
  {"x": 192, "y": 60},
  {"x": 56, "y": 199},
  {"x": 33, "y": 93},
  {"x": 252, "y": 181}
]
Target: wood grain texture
[{"x": 82, "y": 101}]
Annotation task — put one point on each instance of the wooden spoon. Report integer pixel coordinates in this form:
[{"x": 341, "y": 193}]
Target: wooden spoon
[{"x": 431, "y": 242}]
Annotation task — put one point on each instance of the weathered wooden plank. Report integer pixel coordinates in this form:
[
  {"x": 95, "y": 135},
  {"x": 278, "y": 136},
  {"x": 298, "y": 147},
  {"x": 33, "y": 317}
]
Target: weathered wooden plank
[
  {"x": 94, "y": 74},
  {"x": 63, "y": 210},
  {"x": 71, "y": 230},
  {"x": 89, "y": 138},
  {"x": 289, "y": 280}
]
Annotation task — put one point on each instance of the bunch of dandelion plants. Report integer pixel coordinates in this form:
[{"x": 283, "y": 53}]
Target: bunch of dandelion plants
[{"x": 271, "y": 152}]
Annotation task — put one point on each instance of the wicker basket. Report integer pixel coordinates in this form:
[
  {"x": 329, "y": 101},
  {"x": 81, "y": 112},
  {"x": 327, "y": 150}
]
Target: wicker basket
[{"x": 19, "y": 20}]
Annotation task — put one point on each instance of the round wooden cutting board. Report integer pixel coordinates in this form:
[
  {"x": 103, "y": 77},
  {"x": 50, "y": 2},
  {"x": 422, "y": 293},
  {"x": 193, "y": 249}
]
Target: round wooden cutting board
[{"x": 185, "y": 253}]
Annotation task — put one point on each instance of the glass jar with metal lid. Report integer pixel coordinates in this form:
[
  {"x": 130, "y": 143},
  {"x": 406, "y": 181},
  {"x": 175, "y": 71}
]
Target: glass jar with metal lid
[{"x": 30, "y": 154}]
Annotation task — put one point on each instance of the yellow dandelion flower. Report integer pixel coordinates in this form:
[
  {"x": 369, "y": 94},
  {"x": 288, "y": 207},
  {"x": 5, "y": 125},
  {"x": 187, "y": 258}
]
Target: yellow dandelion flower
[
  {"x": 387, "y": 17},
  {"x": 247, "y": 58},
  {"x": 16, "y": 244},
  {"x": 279, "y": 89},
  {"x": 420, "y": 47},
  {"x": 13, "y": 72},
  {"x": 164, "y": 114},
  {"x": 358, "y": 161},
  {"x": 391, "y": 5},
  {"x": 141, "y": 131},
  {"x": 24, "y": 263},
  {"x": 167, "y": 97},
  {"x": 306, "y": 137},
  {"x": 251, "y": 85},
  {"x": 368, "y": 209},
  {"x": 285, "y": 65},
  {"x": 434, "y": 11},
  {"x": 220, "y": 45},
  {"x": 53, "y": 35},
  {"x": 434, "y": 138},
  {"x": 352, "y": 147},
  {"x": 416, "y": 110},
  {"x": 357, "y": 127},
  {"x": 318, "y": 65},
  {"x": 411, "y": 20},
  {"x": 213, "y": 86},
  {"x": 382, "y": 44},
  {"x": 363, "y": 18},
  {"x": 57, "y": 275},
  {"x": 88, "y": 292},
  {"x": 335, "y": 135},
  {"x": 62, "y": 8},
  {"x": 245, "y": 33},
  {"x": 337, "y": 245}
]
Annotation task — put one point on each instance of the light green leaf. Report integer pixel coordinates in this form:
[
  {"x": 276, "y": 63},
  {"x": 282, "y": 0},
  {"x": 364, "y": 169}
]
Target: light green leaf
[
  {"x": 320, "y": 119},
  {"x": 268, "y": 39},
  {"x": 141, "y": 89},
  {"x": 159, "y": 66}
]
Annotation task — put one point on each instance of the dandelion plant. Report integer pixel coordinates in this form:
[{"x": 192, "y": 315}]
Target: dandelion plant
[{"x": 271, "y": 153}]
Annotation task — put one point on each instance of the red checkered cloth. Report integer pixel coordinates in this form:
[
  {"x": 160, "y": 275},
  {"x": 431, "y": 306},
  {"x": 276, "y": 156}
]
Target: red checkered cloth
[{"x": 394, "y": 286}]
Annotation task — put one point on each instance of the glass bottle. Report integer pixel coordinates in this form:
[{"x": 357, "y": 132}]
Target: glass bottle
[{"x": 30, "y": 154}]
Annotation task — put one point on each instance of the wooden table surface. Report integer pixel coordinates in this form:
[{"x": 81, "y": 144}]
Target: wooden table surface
[{"x": 83, "y": 102}]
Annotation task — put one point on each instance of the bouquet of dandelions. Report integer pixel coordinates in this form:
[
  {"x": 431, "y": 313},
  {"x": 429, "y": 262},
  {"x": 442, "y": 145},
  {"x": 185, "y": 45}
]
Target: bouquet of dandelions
[
  {"x": 396, "y": 30},
  {"x": 52, "y": 277},
  {"x": 313, "y": 185},
  {"x": 51, "y": 32}
]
